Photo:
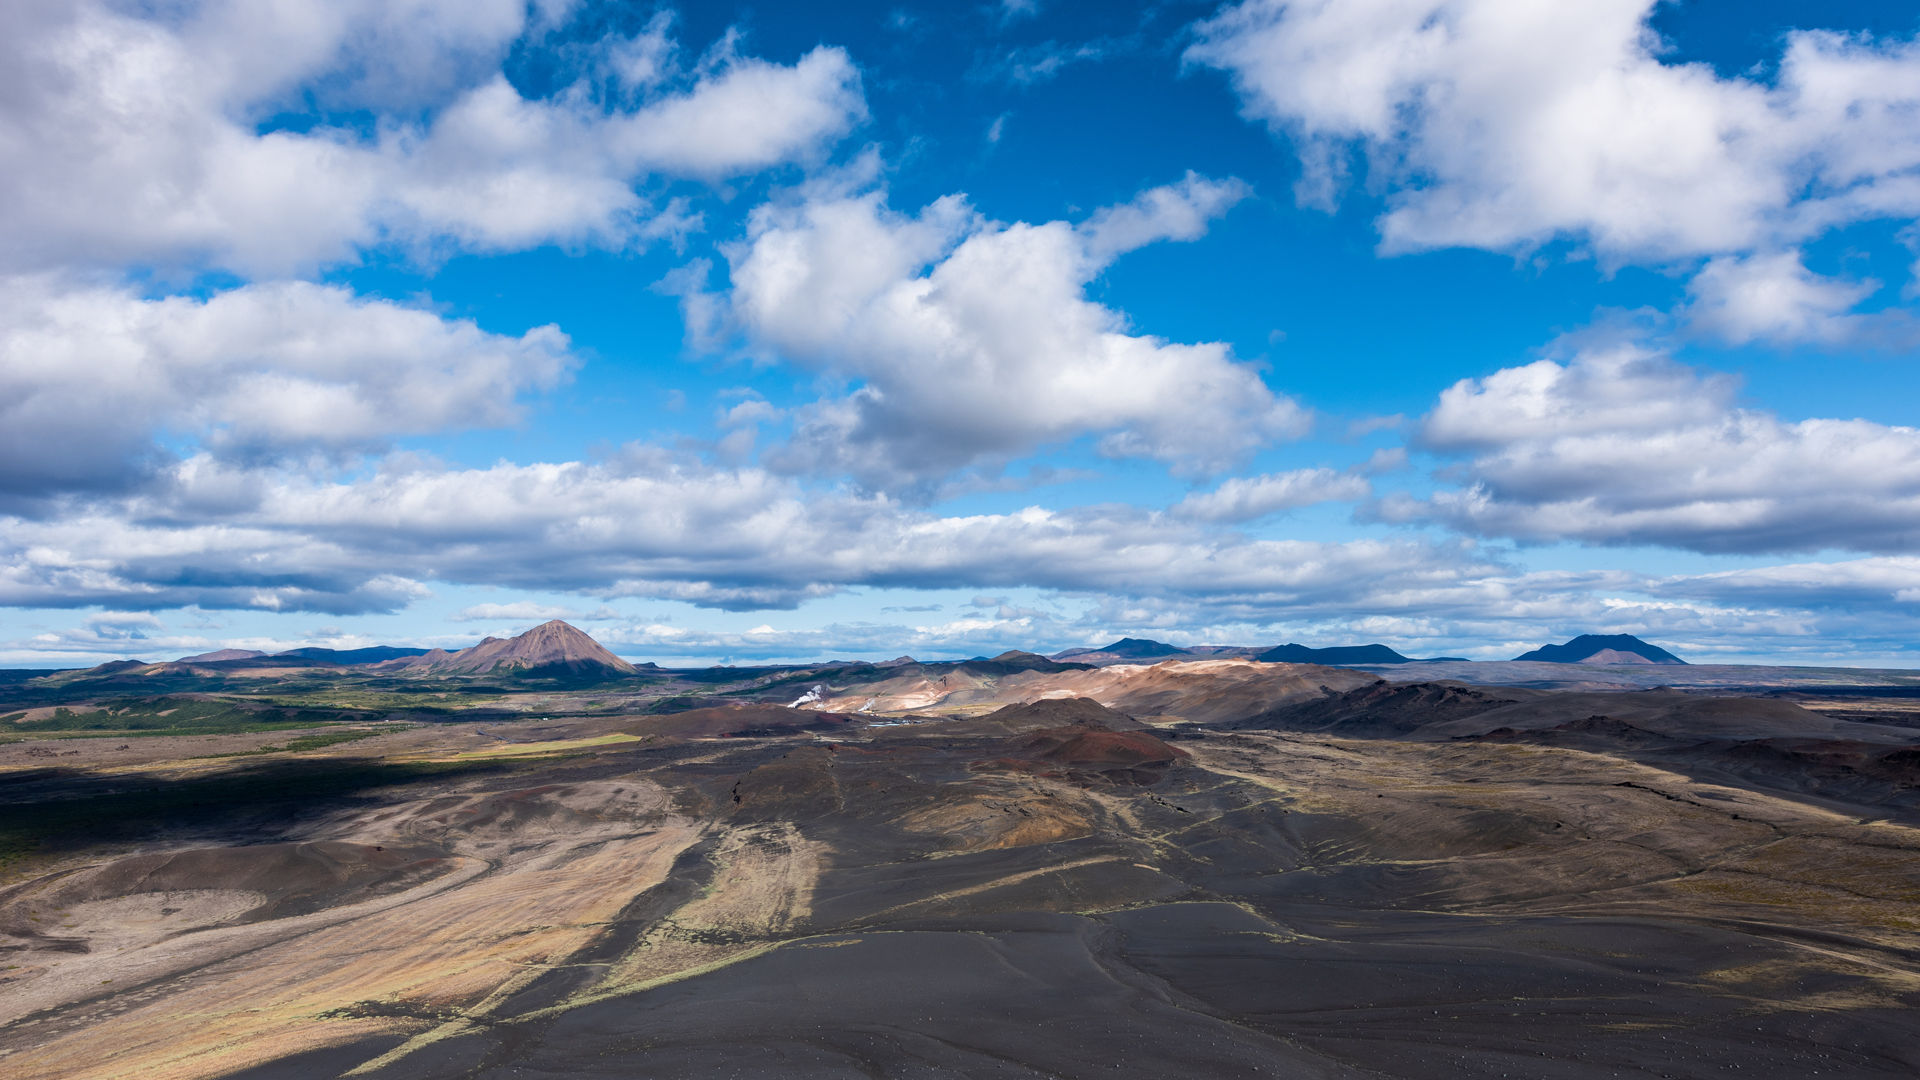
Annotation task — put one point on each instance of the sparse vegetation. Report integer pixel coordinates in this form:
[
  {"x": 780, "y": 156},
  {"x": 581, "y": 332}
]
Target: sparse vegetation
[
  {"x": 310, "y": 742},
  {"x": 167, "y": 715}
]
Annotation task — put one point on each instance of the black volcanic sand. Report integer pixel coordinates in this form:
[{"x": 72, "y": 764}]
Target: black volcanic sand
[
  {"x": 1850, "y": 758},
  {"x": 1207, "y": 989},
  {"x": 1248, "y": 904}
]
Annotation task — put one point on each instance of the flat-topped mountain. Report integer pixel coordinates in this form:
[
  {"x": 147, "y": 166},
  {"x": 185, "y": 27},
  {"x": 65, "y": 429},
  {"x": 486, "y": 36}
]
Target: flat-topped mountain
[
  {"x": 1339, "y": 655},
  {"x": 1140, "y": 648},
  {"x": 1148, "y": 651},
  {"x": 551, "y": 646},
  {"x": 1603, "y": 649},
  {"x": 1144, "y": 650},
  {"x": 344, "y": 657},
  {"x": 221, "y": 654}
]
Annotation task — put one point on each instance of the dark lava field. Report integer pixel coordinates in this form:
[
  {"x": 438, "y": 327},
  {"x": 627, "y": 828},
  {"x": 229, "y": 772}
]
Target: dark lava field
[{"x": 1206, "y": 869}]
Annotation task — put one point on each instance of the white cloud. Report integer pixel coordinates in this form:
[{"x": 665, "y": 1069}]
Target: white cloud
[
  {"x": 644, "y": 60},
  {"x": 122, "y": 625},
  {"x": 1385, "y": 459},
  {"x": 744, "y": 540},
  {"x": 1621, "y": 446},
  {"x": 518, "y": 611},
  {"x": 135, "y": 139},
  {"x": 1776, "y": 298},
  {"x": 747, "y": 413},
  {"x": 973, "y": 342},
  {"x": 1506, "y": 124},
  {"x": 91, "y": 376},
  {"x": 1027, "y": 65},
  {"x": 644, "y": 526},
  {"x": 1616, "y": 389},
  {"x": 1248, "y": 498},
  {"x": 745, "y": 116},
  {"x": 1854, "y": 582}
]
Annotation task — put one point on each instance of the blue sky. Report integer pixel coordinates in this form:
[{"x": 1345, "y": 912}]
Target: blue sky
[{"x": 779, "y": 332}]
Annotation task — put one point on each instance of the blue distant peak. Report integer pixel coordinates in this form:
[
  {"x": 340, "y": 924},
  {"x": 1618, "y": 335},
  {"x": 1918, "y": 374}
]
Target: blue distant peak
[
  {"x": 1340, "y": 654},
  {"x": 354, "y": 656},
  {"x": 1141, "y": 647},
  {"x": 1587, "y": 645}
]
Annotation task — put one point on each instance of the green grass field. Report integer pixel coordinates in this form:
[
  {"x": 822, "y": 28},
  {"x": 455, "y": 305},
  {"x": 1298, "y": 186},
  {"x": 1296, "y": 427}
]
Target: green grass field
[{"x": 166, "y": 715}]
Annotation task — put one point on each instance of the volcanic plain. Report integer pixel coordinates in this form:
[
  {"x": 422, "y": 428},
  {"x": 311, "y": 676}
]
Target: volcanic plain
[{"x": 1198, "y": 867}]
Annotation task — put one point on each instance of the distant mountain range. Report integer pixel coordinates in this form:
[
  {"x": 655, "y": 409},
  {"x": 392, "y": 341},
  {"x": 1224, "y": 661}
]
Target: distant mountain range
[
  {"x": 557, "y": 647},
  {"x": 1134, "y": 650},
  {"x": 1340, "y": 655},
  {"x": 1602, "y": 649},
  {"x": 219, "y": 655},
  {"x": 1128, "y": 649},
  {"x": 354, "y": 656},
  {"x": 552, "y": 647},
  {"x": 343, "y": 657}
]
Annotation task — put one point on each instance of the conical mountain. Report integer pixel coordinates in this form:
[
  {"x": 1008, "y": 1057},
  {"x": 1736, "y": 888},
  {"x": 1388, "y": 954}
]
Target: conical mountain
[
  {"x": 1603, "y": 649},
  {"x": 549, "y": 646}
]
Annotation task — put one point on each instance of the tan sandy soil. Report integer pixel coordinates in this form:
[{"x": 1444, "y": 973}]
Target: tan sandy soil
[
  {"x": 1191, "y": 690},
  {"x": 526, "y": 894}
]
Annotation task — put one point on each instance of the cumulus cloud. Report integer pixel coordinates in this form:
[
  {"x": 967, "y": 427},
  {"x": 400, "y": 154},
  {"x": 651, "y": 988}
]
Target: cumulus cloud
[
  {"x": 1506, "y": 124},
  {"x": 744, "y": 540},
  {"x": 526, "y": 612},
  {"x": 1850, "y": 583},
  {"x": 1624, "y": 446},
  {"x": 1249, "y": 498},
  {"x": 731, "y": 539},
  {"x": 518, "y": 611},
  {"x": 137, "y": 136},
  {"x": 973, "y": 342},
  {"x": 955, "y": 639},
  {"x": 160, "y": 138},
  {"x": 91, "y": 376},
  {"x": 1774, "y": 297}
]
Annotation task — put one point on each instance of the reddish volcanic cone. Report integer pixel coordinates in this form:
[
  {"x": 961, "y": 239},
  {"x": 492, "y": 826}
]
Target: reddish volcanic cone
[
  {"x": 551, "y": 645},
  {"x": 1105, "y": 748},
  {"x": 1087, "y": 751}
]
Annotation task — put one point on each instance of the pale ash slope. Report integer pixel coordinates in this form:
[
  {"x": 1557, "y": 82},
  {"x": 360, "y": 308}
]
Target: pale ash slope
[{"x": 1197, "y": 691}]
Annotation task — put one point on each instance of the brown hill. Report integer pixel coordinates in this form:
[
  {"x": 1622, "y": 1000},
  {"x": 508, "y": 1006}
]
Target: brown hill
[
  {"x": 1084, "y": 751},
  {"x": 222, "y": 654},
  {"x": 1200, "y": 691},
  {"x": 1384, "y": 710},
  {"x": 550, "y": 646}
]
